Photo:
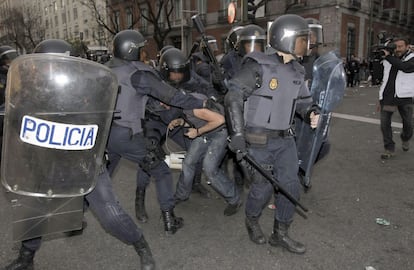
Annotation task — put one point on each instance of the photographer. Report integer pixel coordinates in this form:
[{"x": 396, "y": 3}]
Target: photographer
[{"x": 396, "y": 93}]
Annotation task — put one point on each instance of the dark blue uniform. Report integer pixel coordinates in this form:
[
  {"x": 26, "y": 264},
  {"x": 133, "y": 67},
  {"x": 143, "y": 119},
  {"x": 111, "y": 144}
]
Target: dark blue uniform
[{"x": 139, "y": 81}]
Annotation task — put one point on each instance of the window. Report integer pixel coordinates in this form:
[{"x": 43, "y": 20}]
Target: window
[
  {"x": 68, "y": 15},
  {"x": 57, "y": 35},
  {"x": 177, "y": 8},
  {"x": 56, "y": 21},
  {"x": 117, "y": 18},
  {"x": 129, "y": 18},
  {"x": 143, "y": 21},
  {"x": 350, "y": 42},
  {"x": 46, "y": 24},
  {"x": 75, "y": 13},
  {"x": 63, "y": 18},
  {"x": 202, "y": 6},
  {"x": 225, "y": 3},
  {"x": 76, "y": 33}
]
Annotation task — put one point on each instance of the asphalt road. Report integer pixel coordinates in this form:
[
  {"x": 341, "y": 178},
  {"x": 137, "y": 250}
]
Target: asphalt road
[{"x": 352, "y": 187}]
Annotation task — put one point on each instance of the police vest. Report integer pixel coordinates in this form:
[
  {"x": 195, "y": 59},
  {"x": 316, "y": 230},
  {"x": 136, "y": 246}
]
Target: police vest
[
  {"x": 130, "y": 102},
  {"x": 272, "y": 105},
  {"x": 403, "y": 83}
]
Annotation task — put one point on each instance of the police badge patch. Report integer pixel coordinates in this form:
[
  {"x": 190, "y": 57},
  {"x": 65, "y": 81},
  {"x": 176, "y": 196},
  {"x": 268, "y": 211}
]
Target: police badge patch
[{"x": 273, "y": 84}]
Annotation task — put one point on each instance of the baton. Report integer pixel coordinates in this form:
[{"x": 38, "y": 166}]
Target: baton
[{"x": 274, "y": 182}]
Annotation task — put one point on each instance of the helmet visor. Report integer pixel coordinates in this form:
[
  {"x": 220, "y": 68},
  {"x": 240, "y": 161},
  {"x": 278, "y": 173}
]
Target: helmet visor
[
  {"x": 315, "y": 35},
  {"x": 254, "y": 45}
]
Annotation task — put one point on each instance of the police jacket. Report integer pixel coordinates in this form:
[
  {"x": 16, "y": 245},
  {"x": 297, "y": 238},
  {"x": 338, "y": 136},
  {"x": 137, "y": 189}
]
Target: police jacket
[
  {"x": 271, "y": 92},
  {"x": 198, "y": 84},
  {"x": 231, "y": 63},
  {"x": 404, "y": 81},
  {"x": 138, "y": 81}
]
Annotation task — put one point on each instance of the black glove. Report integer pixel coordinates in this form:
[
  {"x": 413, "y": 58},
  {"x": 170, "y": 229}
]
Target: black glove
[
  {"x": 151, "y": 144},
  {"x": 212, "y": 104},
  {"x": 237, "y": 145}
]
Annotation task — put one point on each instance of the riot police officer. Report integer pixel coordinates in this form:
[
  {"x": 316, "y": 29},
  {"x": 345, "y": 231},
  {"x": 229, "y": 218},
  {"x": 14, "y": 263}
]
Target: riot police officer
[
  {"x": 157, "y": 117},
  {"x": 271, "y": 84},
  {"x": 206, "y": 131},
  {"x": 126, "y": 139},
  {"x": 102, "y": 202},
  {"x": 315, "y": 42},
  {"x": 244, "y": 40},
  {"x": 7, "y": 54},
  {"x": 231, "y": 58}
]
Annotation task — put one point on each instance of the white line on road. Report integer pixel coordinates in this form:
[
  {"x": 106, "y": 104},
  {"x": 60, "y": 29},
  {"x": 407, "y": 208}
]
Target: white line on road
[{"x": 363, "y": 119}]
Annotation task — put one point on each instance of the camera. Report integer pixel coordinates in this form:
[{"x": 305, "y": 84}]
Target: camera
[{"x": 385, "y": 42}]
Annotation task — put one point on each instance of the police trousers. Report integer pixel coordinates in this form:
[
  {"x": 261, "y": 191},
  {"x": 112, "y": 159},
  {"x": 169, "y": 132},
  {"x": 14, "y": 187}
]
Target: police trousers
[
  {"x": 106, "y": 208},
  {"x": 279, "y": 157},
  {"x": 122, "y": 144}
]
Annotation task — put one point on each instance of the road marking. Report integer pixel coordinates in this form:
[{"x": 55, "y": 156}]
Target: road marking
[{"x": 363, "y": 119}]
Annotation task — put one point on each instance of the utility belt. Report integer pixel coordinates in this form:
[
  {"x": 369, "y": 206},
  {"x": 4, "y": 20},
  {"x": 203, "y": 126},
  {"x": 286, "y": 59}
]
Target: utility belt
[
  {"x": 261, "y": 135},
  {"x": 131, "y": 133}
]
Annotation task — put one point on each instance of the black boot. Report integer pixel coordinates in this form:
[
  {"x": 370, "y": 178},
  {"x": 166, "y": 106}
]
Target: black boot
[
  {"x": 143, "y": 250},
  {"x": 281, "y": 238},
  {"x": 254, "y": 230},
  {"x": 171, "y": 222},
  {"x": 140, "y": 211},
  {"x": 24, "y": 261}
]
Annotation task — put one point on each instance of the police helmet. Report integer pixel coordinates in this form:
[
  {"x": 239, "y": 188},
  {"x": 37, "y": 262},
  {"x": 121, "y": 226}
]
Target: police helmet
[
  {"x": 174, "y": 60},
  {"x": 7, "y": 54},
  {"x": 284, "y": 31},
  {"x": 54, "y": 46},
  {"x": 163, "y": 49},
  {"x": 127, "y": 45},
  {"x": 316, "y": 33},
  {"x": 251, "y": 34},
  {"x": 211, "y": 42},
  {"x": 232, "y": 37}
]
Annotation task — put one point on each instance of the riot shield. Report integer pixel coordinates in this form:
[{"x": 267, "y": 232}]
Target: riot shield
[
  {"x": 328, "y": 87},
  {"x": 58, "y": 113},
  {"x": 39, "y": 216}
]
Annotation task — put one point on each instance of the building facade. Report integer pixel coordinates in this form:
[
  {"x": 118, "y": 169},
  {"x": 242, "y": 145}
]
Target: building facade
[
  {"x": 70, "y": 20},
  {"x": 350, "y": 26}
]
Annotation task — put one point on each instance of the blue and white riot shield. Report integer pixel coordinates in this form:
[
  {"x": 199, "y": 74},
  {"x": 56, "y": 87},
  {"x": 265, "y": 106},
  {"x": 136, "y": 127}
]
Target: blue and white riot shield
[
  {"x": 57, "y": 118},
  {"x": 328, "y": 87}
]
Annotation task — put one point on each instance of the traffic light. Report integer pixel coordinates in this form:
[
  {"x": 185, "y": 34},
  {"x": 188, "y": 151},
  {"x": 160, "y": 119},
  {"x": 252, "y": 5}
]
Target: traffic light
[{"x": 251, "y": 10}]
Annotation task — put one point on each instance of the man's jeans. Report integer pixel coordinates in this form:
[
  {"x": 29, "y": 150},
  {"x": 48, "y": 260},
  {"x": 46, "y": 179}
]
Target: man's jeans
[{"x": 211, "y": 150}]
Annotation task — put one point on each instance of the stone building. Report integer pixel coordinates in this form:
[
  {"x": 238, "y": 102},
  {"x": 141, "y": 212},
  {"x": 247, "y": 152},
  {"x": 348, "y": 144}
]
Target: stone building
[{"x": 350, "y": 26}]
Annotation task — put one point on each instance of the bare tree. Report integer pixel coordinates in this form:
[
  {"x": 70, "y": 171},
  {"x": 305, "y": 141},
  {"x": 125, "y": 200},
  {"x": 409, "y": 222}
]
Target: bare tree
[
  {"x": 108, "y": 16},
  {"x": 157, "y": 13},
  {"x": 24, "y": 27}
]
